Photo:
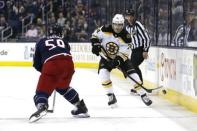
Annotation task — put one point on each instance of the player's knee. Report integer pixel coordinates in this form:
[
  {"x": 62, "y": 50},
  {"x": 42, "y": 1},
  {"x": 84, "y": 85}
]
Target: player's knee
[
  {"x": 69, "y": 94},
  {"x": 41, "y": 97},
  {"x": 104, "y": 75}
]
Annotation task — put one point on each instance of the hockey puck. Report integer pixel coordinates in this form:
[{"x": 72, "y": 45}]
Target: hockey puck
[{"x": 164, "y": 91}]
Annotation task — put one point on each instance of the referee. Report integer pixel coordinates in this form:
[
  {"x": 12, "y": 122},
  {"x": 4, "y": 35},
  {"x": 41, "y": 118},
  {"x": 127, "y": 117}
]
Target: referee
[{"x": 140, "y": 41}]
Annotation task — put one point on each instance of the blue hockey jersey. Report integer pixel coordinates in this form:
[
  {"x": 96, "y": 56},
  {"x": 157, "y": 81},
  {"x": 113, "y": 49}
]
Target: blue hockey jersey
[{"x": 47, "y": 48}]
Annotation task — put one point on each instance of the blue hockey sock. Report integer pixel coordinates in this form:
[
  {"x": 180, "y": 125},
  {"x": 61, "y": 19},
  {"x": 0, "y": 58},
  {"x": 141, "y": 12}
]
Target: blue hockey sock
[
  {"x": 41, "y": 97},
  {"x": 69, "y": 94}
]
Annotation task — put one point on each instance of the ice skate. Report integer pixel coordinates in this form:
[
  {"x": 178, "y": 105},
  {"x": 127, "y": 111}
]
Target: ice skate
[
  {"x": 146, "y": 100},
  {"x": 81, "y": 110},
  {"x": 42, "y": 111},
  {"x": 112, "y": 100}
]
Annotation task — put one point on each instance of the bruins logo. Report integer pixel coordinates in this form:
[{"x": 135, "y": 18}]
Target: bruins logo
[
  {"x": 112, "y": 48},
  {"x": 128, "y": 36}
]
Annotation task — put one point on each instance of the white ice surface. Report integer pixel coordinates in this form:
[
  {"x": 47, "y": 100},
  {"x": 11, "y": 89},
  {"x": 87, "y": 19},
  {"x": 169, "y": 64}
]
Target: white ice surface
[{"x": 17, "y": 89}]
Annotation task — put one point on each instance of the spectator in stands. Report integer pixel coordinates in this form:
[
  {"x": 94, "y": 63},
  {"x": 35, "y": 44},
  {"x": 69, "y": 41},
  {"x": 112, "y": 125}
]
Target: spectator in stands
[
  {"x": 3, "y": 23},
  {"x": 52, "y": 19},
  {"x": 83, "y": 36},
  {"x": 33, "y": 9},
  {"x": 66, "y": 34},
  {"x": 182, "y": 33},
  {"x": 61, "y": 20},
  {"x": 162, "y": 38},
  {"x": 19, "y": 10},
  {"x": 2, "y": 6},
  {"x": 193, "y": 31},
  {"x": 194, "y": 6},
  {"x": 32, "y": 32},
  {"x": 178, "y": 10},
  {"x": 74, "y": 15},
  {"x": 40, "y": 27},
  {"x": 80, "y": 8}
]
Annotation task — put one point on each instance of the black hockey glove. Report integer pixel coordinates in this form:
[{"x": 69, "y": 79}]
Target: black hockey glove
[
  {"x": 96, "y": 48},
  {"x": 117, "y": 61}
]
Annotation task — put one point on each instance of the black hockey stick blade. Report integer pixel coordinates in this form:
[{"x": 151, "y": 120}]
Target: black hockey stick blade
[
  {"x": 147, "y": 89},
  {"x": 153, "y": 89}
]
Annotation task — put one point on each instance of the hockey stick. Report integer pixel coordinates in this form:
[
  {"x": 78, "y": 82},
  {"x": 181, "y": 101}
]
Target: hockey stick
[
  {"x": 103, "y": 54},
  {"x": 53, "y": 104},
  {"x": 147, "y": 89}
]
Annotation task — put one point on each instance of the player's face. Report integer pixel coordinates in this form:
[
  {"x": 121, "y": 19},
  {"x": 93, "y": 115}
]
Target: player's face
[{"x": 117, "y": 27}]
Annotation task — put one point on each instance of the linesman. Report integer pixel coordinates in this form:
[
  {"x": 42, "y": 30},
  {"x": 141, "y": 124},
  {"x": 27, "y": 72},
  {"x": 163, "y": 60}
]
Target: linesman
[{"x": 140, "y": 41}]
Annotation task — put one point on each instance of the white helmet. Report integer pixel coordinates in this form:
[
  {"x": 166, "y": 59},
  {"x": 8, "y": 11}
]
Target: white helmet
[{"x": 118, "y": 19}]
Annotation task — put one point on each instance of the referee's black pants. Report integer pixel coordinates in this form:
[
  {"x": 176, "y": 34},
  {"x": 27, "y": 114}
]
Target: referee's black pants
[{"x": 136, "y": 59}]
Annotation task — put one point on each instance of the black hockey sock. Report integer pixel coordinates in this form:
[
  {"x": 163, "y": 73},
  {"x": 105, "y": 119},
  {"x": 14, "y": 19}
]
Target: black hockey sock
[{"x": 69, "y": 94}]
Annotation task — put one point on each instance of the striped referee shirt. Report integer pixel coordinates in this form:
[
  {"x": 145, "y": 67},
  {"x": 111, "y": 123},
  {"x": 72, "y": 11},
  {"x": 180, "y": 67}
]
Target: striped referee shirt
[
  {"x": 181, "y": 35},
  {"x": 139, "y": 35}
]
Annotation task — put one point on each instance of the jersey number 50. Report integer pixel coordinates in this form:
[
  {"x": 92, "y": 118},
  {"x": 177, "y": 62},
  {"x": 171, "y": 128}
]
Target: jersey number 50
[{"x": 53, "y": 43}]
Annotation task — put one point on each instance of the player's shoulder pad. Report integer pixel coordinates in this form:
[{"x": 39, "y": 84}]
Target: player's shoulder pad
[
  {"x": 40, "y": 41},
  {"x": 107, "y": 28},
  {"x": 124, "y": 34}
]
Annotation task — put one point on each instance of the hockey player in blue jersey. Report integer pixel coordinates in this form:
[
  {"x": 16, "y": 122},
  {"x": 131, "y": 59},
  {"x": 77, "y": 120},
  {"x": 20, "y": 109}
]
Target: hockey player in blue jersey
[{"x": 53, "y": 59}]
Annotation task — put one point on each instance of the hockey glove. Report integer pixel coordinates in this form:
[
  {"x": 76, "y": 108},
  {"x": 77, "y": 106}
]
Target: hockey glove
[
  {"x": 96, "y": 48},
  {"x": 116, "y": 62}
]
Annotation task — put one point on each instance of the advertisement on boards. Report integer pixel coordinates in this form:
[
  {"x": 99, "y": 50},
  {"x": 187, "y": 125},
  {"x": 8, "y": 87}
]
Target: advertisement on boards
[
  {"x": 186, "y": 71},
  {"x": 149, "y": 67},
  {"x": 81, "y": 52},
  {"x": 167, "y": 67},
  {"x": 16, "y": 52}
]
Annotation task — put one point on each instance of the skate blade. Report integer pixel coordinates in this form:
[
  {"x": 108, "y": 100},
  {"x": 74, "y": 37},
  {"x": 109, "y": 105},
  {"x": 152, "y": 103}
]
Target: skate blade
[
  {"x": 82, "y": 115},
  {"x": 148, "y": 103},
  {"x": 33, "y": 119},
  {"x": 113, "y": 105}
]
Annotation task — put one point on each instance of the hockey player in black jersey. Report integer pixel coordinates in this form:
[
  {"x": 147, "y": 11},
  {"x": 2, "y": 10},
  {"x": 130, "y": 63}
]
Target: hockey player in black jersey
[
  {"x": 53, "y": 59},
  {"x": 115, "y": 42}
]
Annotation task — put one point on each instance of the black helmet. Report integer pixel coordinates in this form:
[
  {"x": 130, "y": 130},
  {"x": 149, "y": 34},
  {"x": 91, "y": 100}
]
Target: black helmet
[
  {"x": 55, "y": 30},
  {"x": 130, "y": 12}
]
